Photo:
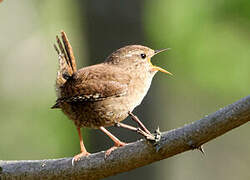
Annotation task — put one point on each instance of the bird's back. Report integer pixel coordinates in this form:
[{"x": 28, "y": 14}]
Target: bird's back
[{"x": 88, "y": 96}]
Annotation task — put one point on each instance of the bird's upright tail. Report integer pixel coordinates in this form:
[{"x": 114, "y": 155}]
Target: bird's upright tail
[{"x": 67, "y": 63}]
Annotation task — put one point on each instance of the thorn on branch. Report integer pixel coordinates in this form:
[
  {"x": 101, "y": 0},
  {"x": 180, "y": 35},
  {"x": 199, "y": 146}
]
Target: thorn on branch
[
  {"x": 200, "y": 148},
  {"x": 194, "y": 146}
]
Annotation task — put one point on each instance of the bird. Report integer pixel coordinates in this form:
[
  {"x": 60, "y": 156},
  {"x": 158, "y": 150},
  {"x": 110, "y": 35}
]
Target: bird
[{"x": 104, "y": 94}]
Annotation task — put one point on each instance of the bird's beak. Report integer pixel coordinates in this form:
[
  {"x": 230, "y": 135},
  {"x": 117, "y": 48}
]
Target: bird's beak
[
  {"x": 156, "y": 68},
  {"x": 161, "y": 50}
]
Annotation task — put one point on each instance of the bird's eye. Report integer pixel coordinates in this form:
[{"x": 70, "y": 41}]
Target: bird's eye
[{"x": 143, "y": 56}]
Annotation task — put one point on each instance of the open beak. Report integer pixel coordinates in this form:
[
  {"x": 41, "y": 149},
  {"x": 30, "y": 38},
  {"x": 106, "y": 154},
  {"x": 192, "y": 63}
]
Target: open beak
[{"x": 159, "y": 68}]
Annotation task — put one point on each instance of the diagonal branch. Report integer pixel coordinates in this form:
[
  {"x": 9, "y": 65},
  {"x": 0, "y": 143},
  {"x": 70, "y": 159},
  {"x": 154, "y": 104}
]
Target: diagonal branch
[{"x": 135, "y": 154}]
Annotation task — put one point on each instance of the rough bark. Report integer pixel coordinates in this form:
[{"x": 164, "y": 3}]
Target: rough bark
[{"x": 135, "y": 154}]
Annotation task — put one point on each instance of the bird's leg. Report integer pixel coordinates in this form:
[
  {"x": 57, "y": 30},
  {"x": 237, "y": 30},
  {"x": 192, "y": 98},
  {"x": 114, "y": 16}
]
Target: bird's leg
[
  {"x": 84, "y": 152},
  {"x": 117, "y": 142},
  {"x": 136, "y": 119},
  {"x": 138, "y": 130}
]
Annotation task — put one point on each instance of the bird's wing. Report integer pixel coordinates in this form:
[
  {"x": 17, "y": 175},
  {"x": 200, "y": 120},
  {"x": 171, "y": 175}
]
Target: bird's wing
[{"x": 94, "y": 83}]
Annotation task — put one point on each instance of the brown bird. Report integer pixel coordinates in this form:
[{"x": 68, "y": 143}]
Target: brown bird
[{"x": 104, "y": 94}]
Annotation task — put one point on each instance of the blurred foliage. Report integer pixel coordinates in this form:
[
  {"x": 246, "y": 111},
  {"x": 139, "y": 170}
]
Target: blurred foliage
[
  {"x": 209, "y": 49},
  {"x": 29, "y": 128},
  {"x": 210, "y": 60}
]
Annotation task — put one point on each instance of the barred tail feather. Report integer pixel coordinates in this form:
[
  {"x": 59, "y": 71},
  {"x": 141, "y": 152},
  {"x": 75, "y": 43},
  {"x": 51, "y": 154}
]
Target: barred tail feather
[
  {"x": 67, "y": 63},
  {"x": 69, "y": 51}
]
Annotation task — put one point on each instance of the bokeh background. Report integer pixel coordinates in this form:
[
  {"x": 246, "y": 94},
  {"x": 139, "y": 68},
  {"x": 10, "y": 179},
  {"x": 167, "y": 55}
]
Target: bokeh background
[{"x": 210, "y": 60}]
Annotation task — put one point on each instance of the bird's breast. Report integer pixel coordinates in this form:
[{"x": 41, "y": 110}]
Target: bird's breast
[{"x": 139, "y": 88}]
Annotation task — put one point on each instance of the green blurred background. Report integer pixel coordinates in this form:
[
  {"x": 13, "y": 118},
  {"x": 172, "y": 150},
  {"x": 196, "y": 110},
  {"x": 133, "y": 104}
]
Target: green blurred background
[{"x": 210, "y": 60}]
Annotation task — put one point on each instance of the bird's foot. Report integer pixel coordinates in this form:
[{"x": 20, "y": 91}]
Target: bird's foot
[
  {"x": 120, "y": 144},
  {"x": 79, "y": 156},
  {"x": 149, "y": 137},
  {"x": 155, "y": 137}
]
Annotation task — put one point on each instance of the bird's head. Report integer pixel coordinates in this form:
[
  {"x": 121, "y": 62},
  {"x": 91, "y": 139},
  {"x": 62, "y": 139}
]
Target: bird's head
[{"x": 136, "y": 57}]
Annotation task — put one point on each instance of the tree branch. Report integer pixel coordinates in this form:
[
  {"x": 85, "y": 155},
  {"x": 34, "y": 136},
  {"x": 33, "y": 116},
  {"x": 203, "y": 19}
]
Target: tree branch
[{"x": 135, "y": 154}]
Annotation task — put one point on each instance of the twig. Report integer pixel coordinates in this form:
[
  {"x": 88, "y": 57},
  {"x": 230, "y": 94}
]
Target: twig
[{"x": 136, "y": 154}]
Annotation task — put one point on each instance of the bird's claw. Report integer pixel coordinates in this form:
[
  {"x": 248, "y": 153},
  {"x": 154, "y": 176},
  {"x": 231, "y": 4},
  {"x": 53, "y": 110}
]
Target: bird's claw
[
  {"x": 108, "y": 152},
  {"x": 78, "y": 157},
  {"x": 155, "y": 137},
  {"x": 150, "y": 137}
]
